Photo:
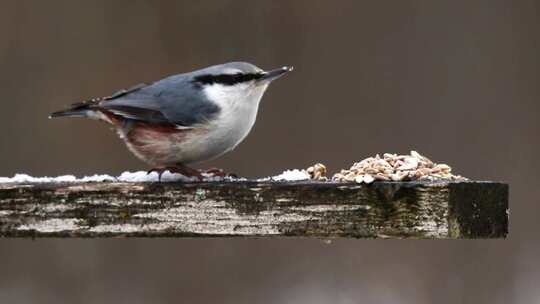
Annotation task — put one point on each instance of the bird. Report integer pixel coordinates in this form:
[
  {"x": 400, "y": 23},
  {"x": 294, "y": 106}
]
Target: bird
[{"x": 184, "y": 119}]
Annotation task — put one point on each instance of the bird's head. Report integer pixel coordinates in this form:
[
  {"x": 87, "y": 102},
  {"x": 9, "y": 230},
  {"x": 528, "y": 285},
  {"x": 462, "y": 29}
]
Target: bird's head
[{"x": 236, "y": 82}]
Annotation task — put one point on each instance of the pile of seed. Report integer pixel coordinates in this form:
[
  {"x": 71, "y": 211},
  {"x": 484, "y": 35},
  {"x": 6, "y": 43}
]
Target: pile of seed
[
  {"x": 317, "y": 172},
  {"x": 393, "y": 167}
]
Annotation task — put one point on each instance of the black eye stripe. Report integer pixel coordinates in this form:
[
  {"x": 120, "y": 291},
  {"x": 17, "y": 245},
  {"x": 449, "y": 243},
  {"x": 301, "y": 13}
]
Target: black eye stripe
[{"x": 226, "y": 79}]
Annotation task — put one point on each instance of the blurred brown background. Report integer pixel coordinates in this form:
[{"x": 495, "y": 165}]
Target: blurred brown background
[{"x": 455, "y": 80}]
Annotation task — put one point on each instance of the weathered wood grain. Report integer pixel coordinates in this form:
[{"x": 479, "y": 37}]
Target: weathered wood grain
[{"x": 259, "y": 209}]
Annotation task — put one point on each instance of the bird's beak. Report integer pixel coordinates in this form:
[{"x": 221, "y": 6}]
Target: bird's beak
[{"x": 274, "y": 74}]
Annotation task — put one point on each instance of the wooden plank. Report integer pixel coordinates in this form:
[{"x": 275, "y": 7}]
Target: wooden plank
[{"x": 257, "y": 209}]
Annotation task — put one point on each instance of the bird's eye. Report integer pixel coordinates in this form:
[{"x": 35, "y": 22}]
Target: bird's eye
[
  {"x": 226, "y": 79},
  {"x": 236, "y": 78}
]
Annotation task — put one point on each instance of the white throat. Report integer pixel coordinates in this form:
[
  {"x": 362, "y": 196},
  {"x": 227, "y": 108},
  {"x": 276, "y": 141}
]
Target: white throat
[{"x": 238, "y": 95}]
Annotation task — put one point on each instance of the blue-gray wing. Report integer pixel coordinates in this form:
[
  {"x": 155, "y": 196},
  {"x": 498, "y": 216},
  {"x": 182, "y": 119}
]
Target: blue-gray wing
[{"x": 173, "y": 100}]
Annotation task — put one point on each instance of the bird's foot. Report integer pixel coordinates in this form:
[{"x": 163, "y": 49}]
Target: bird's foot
[
  {"x": 159, "y": 171},
  {"x": 190, "y": 172},
  {"x": 217, "y": 172},
  {"x": 214, "y": 172},
  {"x": 185, "y": 171}
]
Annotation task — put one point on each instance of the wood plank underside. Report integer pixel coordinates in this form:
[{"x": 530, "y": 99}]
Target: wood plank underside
[{"x": 259, "y": 209}]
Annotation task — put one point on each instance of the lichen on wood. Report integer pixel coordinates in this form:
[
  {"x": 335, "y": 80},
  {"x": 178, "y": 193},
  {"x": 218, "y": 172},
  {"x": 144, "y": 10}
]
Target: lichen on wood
[{"x": 255, "y": 208}]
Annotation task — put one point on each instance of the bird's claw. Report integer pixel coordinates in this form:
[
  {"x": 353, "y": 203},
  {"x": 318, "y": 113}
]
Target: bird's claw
[
  {"x": 183, "y": 170},
  {"x": 218, "y": 172},
  {"x": 189, "y": 172}
]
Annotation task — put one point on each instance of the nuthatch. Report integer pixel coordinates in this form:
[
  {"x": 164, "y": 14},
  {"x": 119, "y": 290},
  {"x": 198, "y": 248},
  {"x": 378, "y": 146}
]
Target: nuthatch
[{"x": 184, "y": 119}]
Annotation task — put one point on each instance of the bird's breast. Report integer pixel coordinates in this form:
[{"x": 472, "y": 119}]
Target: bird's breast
[{"x": 232, "y": 126}]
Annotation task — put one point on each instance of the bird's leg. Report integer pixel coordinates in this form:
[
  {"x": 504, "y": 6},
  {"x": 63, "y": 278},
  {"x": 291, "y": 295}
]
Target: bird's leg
[
  {"x": 187, "y": 171},
  {"x": 215, "y": 172},
  {"x": 178, "y": 168},
  {"x": 190, "y": 172},
  {"x": 159, "y": 171},
  {"x": 218, "y": 172}
]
